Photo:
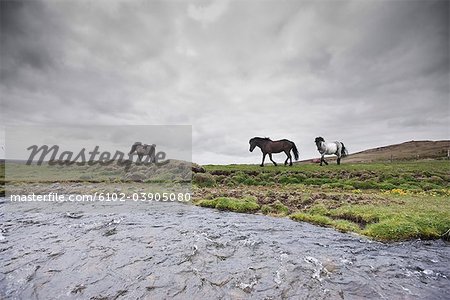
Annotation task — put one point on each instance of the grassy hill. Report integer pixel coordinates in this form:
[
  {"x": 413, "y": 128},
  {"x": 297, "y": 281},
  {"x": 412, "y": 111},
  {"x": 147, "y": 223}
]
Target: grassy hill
[{"x": 412, "y": 150}]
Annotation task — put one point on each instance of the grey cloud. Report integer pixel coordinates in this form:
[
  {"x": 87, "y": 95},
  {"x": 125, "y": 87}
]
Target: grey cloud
[
  {"x": 365, "y": 72},
  {"x": 23, "y": 44}
]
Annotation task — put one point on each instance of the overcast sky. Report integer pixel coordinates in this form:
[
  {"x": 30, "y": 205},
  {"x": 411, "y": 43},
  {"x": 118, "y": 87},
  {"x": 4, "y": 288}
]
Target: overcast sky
[{"x": 368, "y": 73}]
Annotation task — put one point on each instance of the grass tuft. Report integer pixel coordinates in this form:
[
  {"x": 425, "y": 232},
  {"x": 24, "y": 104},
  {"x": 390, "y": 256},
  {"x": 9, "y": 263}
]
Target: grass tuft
[
  {"x": 244, "y": 205},
  {"x": 312, "y": 218},
  {"x": 276, "y": 208},
  {"x": 203, "y": 180}
]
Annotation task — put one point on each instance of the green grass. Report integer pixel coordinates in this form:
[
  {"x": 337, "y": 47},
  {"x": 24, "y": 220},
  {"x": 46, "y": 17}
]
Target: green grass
[
  {"x": 414, "y": 176},
  {"x": 412, "y": 217},
  {"x": 203, "y": 180},
  {"x": 312, "y": 218},
  {"x": 276, "y": 209},
  {"x": 20, "y": 172},
  {"x": 25, "y": 179},
  {"x": 244, "y": 205},
  {"x": 384, "y": 201}
]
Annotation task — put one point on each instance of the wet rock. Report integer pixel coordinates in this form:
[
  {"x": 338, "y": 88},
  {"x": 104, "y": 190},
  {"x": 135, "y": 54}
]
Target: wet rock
[
  {"x": 78, "y": 289},
  {"x": 73, "y": 215},
  {"x": 111, "y": 231},
  {"x": 428, "y": 272}
]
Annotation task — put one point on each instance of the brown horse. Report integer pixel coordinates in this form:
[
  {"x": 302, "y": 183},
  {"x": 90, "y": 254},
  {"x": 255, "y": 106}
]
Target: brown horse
[{"x": 268, "y": 147}]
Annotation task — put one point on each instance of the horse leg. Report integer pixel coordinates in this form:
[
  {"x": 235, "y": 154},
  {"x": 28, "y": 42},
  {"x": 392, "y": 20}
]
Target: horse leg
[
  {"x": 339, "y": 160},
  {"x": 270, "y": 156},
  {"x": 289, "y": 157},
  {"x": 264, "y": 156}
]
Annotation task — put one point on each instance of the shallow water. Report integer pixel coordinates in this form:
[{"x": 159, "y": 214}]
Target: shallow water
[{"x": 173, "y": 250}]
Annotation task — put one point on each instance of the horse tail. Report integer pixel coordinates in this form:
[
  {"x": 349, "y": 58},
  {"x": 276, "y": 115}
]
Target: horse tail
[
  {"x": 344, "y": 151},
  {"x": 294, "y": 149}
]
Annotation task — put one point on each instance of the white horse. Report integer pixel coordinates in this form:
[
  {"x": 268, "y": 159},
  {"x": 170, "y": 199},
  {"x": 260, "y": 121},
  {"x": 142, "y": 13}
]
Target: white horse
[{"x": 336, "y": 148}]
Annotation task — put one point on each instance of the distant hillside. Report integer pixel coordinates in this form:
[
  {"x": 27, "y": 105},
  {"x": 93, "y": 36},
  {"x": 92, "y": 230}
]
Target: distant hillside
[{"x": 405, "y": 151}]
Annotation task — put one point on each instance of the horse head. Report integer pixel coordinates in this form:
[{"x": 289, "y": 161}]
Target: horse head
[
  {"x": 133, "y": 147},
  {"x": 319, "y": 140},
  {"x": 252, "y": 143}
]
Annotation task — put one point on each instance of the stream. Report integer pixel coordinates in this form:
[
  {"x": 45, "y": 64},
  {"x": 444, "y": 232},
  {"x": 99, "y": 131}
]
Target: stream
[{"x": 166, "y": 250}]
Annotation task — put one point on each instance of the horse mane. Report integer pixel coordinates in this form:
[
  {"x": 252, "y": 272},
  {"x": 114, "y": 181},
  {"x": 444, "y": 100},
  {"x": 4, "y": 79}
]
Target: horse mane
[
  {"x": 261, "y": 138},
  {"x": 319, "y": 138}
]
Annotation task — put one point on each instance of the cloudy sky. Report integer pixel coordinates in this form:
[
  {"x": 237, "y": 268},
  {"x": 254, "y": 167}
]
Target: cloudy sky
[{"x": 368, "y": 73}]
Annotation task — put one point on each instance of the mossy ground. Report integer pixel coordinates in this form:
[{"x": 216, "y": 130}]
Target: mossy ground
[{"x": 387, "y": 202}]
